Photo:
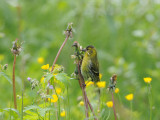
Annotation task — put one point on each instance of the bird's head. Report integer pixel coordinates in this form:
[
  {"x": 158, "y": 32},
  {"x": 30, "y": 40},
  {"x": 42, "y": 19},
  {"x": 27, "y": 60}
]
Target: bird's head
[{"x": 90, "y": 51}]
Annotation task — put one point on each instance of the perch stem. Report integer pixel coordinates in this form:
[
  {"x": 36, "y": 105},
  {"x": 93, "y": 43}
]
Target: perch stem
[
  {"x": 55, "y": 60},
  {"x": 114, "y": 110},
  {"x": 83, "y": 91},
  {"x": 14, "y": 87}
]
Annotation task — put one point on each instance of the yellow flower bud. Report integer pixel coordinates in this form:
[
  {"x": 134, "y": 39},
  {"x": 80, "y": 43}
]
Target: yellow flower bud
[
  {"x": 45, "y": 67},
  {"x": 81, "y": 103},
  {"x": 40, "y": 60},
  {"x": 109, "y": 104},
  {"x": 101, "y": 84},
  {"x": 147, "y": 80},
  {"x": 63, "y": 113},
  {"x": 58, "y": 90},
  {"x": 129, "y": 97},
  {"x": 54, "y": 99},
  {"x": 117, "y": 90}
]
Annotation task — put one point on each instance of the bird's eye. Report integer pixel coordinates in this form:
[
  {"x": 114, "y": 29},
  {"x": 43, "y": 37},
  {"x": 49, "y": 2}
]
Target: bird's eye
[{"x": 91, "y": 51}]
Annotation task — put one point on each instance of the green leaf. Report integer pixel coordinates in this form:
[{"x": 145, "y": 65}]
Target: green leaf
[
  {"x": 42, "y": 111},
  {"x": 48, "y": 77},
  {"x": 12, "y": 109},
  {"x": 6, "y": 76},
  {"x": 63, "y": 77},
  {"x": 31, "y": 115},
  {"x": 31, "y": 108}
]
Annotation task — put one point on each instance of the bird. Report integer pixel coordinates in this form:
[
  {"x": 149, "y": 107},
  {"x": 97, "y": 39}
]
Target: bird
[
  {"x": 90, "y": 67},
  {"x": 90, "y": 64}
]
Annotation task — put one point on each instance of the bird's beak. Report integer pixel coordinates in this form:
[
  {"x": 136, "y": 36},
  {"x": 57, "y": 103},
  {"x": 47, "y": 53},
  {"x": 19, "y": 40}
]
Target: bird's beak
[{"x": 84, "y": 50}]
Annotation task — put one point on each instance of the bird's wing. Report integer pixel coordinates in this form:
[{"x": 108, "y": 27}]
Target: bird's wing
[{"x": 94, "y": 72}]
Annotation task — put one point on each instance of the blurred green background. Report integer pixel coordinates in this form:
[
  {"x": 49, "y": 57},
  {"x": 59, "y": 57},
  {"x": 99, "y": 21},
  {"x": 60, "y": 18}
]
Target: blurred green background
[{"x": 126, "y": 34}]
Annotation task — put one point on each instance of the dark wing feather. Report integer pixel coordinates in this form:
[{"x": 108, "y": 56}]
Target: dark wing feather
[{"x": 94, "y": 72}]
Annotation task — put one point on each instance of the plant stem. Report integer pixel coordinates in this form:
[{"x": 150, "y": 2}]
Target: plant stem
[
  {"x": 95, "y": 118},
  {"x": 10, "y": 112},
  {"x": 68, "y": 105},
  {"x": 14, "y": 87},
  {"x": 57, "y": 114},
  {"x": 59, "y": 107},
  {"x": 45, "y": 107},
  {"x": 49, "y": 110},
  {"x": 83, "y": 91},
  {"x": 114, "y": 110},
  {"x": 55, "y": 60},
  {"x": 22, "y": 107},
  {"x": 150, "y": 100},
  {"x": 131, "y": 109}
]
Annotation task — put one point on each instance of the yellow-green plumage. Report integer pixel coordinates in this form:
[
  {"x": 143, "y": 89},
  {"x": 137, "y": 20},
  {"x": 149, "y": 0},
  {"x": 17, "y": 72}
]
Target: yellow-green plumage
[{"x": 90, "y": 65}]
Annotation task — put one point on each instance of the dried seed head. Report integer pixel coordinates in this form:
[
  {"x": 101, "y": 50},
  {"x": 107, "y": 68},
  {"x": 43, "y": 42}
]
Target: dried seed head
[{"x": 16, "y": 48}]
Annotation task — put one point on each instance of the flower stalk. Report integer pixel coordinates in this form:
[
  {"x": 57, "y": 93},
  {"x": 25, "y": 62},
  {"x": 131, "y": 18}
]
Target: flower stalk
[
  {"x": 150, "y": 100},
  {"x": 68, "y": 33},
  {"x": 114, "y": 110},
  {"x": 112, "y": 85},
  {"x": 15, "y": 50},
  {"x": 14, "y": 86}
]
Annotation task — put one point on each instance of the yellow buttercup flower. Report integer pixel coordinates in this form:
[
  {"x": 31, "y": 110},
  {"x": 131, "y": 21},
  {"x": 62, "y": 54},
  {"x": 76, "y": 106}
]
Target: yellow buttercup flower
[
  {"x": 100, "y": 76},
  {"x": 88, "y": 83},
  {"x": 116, "y": 90},
  {"x": 40, "y": 60},
  {"x": 54, "y": 99},
  {"x": 63, "y": 113},
  {"x": 81, "y": 103},
  {"x": 129, "y": 97},
  {"x": 147, "y": 80},
  {"x": 1, "y": 57},
  {"x": 45, "y": 67},
  {"x": 58, "y": 90},
  {"x": 109, "y": 104},
  {"x": 42, "y": 79},
  {"x": 101, "y": 84}
]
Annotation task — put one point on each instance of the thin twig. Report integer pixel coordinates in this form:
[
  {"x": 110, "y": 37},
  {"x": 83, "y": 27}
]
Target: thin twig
[
  {"x": 114, "y": 110},
  {"x": 68, "y": 34},
  {"x": 14, "y": 87},
  {"x": 22, "y": 107},
  {"x": 55, "y": 60},
  {"x": 83, "y": 91},
  {"x": 95, "y": 118},
  {"x": 68, "y": 104}
]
